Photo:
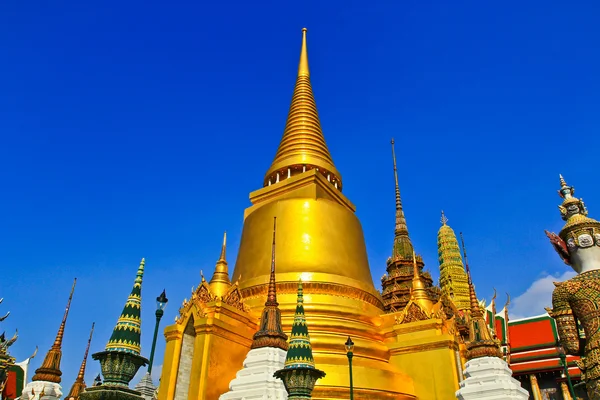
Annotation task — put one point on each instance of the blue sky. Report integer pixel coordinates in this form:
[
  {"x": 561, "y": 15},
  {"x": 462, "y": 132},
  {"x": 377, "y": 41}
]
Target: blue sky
[{"x": 138, "y": 129}]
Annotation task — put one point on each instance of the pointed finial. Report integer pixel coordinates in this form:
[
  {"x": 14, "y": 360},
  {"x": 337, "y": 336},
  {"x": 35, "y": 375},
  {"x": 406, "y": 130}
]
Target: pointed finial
[
  {"x": 303, "y": 65},
  {"x": 562, "y": 181},
  {"x": 79, "y": 384},
  {"x": 401, "y": 227},
  {"x": 415, "y": 268},
  {"x": 464, "y": 249},
  {"x": 272, "y": 295},
  {"x": 303, "y": 147},
  {"x": 50, "y": 368},
  {"x": 444, "y": 219},
  {"x": 140, "y": 271},
  {"x": 223, "y": 247},
  {"x": 202, "y": 275},
  {"x": 475, "y": 309},
  {"x": 61, "y": 330}
]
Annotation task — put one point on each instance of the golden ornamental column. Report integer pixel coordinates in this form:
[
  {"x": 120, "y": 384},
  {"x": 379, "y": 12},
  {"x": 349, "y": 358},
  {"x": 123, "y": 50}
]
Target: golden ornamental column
[
  {"x": 535, "y": 388},
  {"x": 565, "y": 391}
]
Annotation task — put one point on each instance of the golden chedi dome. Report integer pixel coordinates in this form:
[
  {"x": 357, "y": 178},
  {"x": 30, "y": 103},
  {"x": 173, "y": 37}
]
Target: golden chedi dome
[{"x": 320, "y": 241}]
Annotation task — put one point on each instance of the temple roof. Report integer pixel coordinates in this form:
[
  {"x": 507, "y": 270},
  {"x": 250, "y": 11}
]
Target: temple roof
[{"x": 303, "y": 146}]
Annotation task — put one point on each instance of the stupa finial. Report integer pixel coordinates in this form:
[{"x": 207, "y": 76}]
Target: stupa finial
[
  {"x": 79, "y": 384},
  {"x": 220, "y": 282},
  {"x": 50, "y": 368},
  {"x": 303, "y": 147},
  {"x": 270, "y": 333},
  {"x": 444, "y": 220},
  {"x": 403, "y": 247}
]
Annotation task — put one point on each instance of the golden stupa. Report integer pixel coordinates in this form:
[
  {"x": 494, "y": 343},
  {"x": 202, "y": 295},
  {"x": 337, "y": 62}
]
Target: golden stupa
[{"x": 409, "y": 354}]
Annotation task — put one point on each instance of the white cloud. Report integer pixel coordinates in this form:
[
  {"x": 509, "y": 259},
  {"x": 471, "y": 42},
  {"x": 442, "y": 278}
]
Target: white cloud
[{"x": 537, "y": 296}]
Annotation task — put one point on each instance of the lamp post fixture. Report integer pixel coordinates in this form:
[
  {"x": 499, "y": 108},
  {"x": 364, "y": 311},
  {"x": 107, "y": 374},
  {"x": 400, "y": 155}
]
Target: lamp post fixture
[
  {"x": 350, "y": 354},
  {"x": 563, "y": 362},
  {"x": 161, "y": 303}
]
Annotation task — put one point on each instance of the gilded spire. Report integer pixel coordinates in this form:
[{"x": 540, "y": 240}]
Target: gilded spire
[
  {"x": 127, "y": 332},
  {"x": 419, "y": 292},
  {"x": 480, "y": 343},
  {"x": 453, "y": 278},
  {"x": 403, "y": 247},
  {"x": 50, "y": 368},
  {"x": 303, "y": 145},
  {"x": 220, "y": 283},
  {"x": 79, "y": 384},
  {"x": 271, "y": 333}
]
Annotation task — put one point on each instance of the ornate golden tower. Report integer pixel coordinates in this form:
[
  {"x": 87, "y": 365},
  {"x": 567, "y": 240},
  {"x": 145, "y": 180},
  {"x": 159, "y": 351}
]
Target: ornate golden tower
[
  {"x": 453, "y": 279},
  {"x": 396, "y": 284},
  {"x": 320, "y": 241}
]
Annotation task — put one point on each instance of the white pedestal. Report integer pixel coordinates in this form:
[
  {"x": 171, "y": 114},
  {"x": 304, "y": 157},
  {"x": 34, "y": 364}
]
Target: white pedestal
[
  {"x": 255, "y": 380},
  {"x": 490, "y": 378},
  {"x": 49, "y": 391},
  {"x": 146, "y": 387}
]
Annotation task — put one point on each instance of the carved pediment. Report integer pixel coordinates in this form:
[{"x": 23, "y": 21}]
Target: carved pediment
[{"x": 412, "y": 313}]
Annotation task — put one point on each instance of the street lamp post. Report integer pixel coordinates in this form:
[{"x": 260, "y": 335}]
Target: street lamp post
[
  {"x": 161, "y": 303},
  {"x": 350, "y": 354},
  {"x": 563, "y": 361}
]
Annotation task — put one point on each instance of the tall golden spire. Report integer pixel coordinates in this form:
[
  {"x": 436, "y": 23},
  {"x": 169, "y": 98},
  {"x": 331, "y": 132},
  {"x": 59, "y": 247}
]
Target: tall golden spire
[
  {"x": 50, "y": 371},
  {"x": 419, "y": 292},
  {"x": 480, "y": 343},
  {"x": 402, "y": 244},
  {"x": 271, "y": 332},
  {"x": 453, "y": 279},
  {"x": 303, "y": 146},
  {"x": 79, "y": 384},
  {"x": 220, "y": 283}
]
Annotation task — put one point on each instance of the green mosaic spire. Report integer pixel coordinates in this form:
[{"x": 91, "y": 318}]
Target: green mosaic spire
[
  {"x": 299, "y": 353},
  {"x": 127, "y": 332}
]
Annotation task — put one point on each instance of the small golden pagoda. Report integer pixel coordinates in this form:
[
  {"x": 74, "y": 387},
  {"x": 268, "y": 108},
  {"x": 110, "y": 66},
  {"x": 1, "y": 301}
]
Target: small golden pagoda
[
  {"x": 453, "y": 278},
  {"x": 320, "y": 241}
]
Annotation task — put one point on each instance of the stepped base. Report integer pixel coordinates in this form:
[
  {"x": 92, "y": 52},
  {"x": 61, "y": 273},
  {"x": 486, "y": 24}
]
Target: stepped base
[
  {"x": 255, "y": 380},
  {"x": 51, "y": 391},
  {"x": 490, "y": 378}
]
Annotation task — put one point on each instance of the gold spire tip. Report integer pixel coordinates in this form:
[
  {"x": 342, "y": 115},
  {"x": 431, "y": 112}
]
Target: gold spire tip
[
  {"x": 303, "y": 65},
  {"x": 562, "y": 181},
  {"x": 223, "y": 247},
  {"x": 444, "y": 219}
]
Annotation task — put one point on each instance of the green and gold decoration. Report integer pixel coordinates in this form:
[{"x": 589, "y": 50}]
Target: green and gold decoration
[
  {"x": 121, "y": 358},
  {"x": 299, "y": 374},
  {"x": 126, "y": 335}
]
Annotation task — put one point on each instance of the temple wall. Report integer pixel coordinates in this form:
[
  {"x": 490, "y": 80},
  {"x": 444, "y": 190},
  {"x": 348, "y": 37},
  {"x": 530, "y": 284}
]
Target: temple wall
[
  {"x": 429, "y": 356},
  {"x": 185, "y": 362}
]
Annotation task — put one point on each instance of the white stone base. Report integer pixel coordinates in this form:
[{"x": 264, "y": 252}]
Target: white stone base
[
  {"x": 255, "y": 380},
  {"x": 51, "y": 391},
  {"x": 146, "y": 387},
  {"x": 490, "y": 378}
]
